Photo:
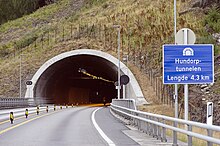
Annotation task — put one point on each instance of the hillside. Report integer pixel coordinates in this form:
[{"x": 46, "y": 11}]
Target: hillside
[
  {"x": 73, "y": 24},
  {"x": 14, "y": 9}
]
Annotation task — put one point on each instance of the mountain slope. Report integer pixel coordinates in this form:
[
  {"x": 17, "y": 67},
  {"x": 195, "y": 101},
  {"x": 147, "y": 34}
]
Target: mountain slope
[{"x": 72, "y": 24}]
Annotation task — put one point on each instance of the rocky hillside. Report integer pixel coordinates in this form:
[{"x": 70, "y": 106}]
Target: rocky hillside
[
  {"x": 146, "y": 26},
  {"x": 200, "y": 94}
]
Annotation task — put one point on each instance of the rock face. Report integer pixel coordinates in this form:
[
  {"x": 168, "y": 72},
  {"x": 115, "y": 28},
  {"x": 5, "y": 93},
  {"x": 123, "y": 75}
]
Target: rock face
[
  {"x": 216, "y": 36},
  {"x": 45, "y": 2},
  {"x": 206, "y": 93},
  {"x": 204, "y": 3}
]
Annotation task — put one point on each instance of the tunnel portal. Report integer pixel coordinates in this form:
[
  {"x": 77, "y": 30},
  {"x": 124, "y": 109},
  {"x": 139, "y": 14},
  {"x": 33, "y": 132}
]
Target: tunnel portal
[
  {"x": 79, "y": 79},
  {"x": 81, "y": 76}
]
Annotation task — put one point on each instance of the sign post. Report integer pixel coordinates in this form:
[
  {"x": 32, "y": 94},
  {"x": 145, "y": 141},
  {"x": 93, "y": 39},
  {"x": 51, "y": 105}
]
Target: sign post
[
  {"x": 186, "y": 36},
  {"x": 175, "y": 86},
  {"x": 209, "y": 117},
  {"x": 186, "y": 88},
  {"x": 119, "y": 68}
]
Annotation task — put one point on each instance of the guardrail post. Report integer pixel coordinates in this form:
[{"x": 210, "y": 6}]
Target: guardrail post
[
  {"x": 209, "y": 132},
  {"x": 147, "y": 124},
  {"x": 155, "y": 129},
  {"x": 150, "y": 127},
  {"x": 144, "y": 125},
  {"x": 132, "y": 119},
  {"x": 189, "y": 137},
  {"x": 137, "y": 121},
  {"x": 128, "y": 117},
  {"x": 164, "y": 139},
  {"x": 175, "y": 135},
  {"x": 129, "y": 104},
  {"x": 159, "y": 130},
  {"x": 141, "y": 124}
]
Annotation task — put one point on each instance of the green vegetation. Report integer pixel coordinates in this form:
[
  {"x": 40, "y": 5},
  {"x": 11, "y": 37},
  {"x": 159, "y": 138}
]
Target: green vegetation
[
  {"x": 12, "y": 9},
  {"x": 4, "y": 51},
  {"x": 212, "y": 20},
  {"x": 212, "y": 24},
  {"x": 26, "y": 40},
  {"x": 95, "y": 2},
  {"x": 146, "y": 25}
]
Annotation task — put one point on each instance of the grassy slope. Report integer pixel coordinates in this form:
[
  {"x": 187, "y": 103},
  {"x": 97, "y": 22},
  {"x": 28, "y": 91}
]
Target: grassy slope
[
  {"x": 149, "y": 23},
  {"x": 15, "y": 34}
]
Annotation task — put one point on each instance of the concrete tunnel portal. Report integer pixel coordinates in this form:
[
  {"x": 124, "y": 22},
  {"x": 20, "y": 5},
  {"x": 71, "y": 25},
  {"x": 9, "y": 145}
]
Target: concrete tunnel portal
[
  {"x": 66, "y": 83},
  {"x": 80, "y": 76}
]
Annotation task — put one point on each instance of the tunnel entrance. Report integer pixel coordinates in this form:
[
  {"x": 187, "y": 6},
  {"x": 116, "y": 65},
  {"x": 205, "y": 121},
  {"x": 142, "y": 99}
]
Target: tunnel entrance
[
  {"x": 81, "y": 76},
  {"x": 80, "y": 79}
]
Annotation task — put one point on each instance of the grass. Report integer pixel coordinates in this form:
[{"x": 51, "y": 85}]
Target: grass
[
  {"x": 196, "y": 141},
  {"x": 44, "y": 13},
  {"x": 25, "y": 30},
  {"x": 26, "y": 40},
  {"x": 136, "y": 18}
]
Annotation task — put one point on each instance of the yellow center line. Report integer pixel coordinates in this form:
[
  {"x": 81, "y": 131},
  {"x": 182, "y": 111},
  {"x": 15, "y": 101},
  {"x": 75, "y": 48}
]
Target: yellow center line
[
  {"x": 93, "y": 105},
  {"x": 20, "y": 124}
]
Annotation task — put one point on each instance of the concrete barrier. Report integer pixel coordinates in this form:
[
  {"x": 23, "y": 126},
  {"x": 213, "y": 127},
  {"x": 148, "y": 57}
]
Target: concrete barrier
[{"x": 128, "y": 103}]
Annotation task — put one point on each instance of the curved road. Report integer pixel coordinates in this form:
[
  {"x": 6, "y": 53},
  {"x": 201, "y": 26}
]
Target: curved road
[{"x": 67, "y": 127}]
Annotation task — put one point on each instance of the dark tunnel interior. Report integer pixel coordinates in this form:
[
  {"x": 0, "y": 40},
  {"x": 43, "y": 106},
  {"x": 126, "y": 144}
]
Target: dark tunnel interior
[{"x": 65, "y": 83}]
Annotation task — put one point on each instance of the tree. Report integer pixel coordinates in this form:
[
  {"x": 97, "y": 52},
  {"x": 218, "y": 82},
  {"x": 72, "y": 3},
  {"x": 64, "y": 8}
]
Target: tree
[
  {"x": 12, "y": 9},
  {"x": 205, "y": 3}
]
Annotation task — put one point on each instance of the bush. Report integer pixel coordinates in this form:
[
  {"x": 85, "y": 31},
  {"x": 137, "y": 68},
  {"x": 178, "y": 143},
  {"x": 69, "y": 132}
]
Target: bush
[
  {"x": 26, "y": 41},
  {"x": 13, "y": 9},
  {"x": 4, "y": 51},
  {"x": 212, "y": 20},
  {"x": 95, "y": 2}
]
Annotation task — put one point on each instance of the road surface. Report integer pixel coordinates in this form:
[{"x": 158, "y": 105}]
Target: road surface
[{"x": 77, "y": 126}]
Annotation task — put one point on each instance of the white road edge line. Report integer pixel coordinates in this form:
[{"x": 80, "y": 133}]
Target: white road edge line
[{"x": 105, "y": 137}]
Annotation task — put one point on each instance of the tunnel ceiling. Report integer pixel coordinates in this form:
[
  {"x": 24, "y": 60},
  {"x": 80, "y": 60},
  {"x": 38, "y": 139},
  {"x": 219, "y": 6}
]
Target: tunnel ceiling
[{"x": 63, "y": 83}]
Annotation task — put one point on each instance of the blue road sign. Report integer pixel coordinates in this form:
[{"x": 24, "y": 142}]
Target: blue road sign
[{"x": 188, "y": 64}]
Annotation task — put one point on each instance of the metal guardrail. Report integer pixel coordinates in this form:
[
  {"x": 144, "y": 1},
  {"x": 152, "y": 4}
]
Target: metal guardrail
[
  {"x": 12, "y": 102},
  {"x": 15, "y": 102},
  {"x": 156, "y": 125}
]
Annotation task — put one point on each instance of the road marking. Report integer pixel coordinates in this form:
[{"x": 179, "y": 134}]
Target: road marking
[
  {"x": 4, "y": 122},
  {"x": 20, "y": 124},
  {"x": 105, "y": 137}
]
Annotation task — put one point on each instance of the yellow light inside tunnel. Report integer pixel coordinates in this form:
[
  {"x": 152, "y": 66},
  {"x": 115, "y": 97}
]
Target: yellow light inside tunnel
[{"x": 95, "y": 77}]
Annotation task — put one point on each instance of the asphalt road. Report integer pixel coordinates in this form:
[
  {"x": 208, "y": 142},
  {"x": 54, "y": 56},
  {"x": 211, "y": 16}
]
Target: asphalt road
[{"x": 68, "y": 127}]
